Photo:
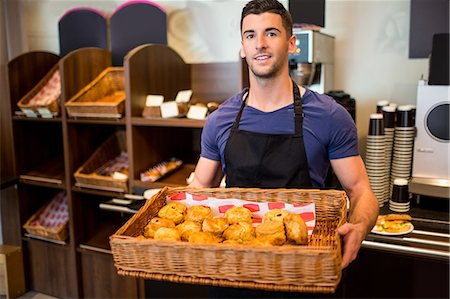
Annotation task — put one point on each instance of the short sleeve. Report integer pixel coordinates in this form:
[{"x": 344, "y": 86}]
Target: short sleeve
[
  {"x": 343, "y": 134},
  {"x": 209, "y": 145}
]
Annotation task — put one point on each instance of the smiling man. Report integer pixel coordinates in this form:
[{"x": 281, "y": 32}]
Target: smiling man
[{"x": 277, "y": 134}]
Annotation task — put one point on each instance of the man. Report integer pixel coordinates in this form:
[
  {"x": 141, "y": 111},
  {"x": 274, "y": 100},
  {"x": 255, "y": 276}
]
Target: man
[{"x": 279, "y": 135}]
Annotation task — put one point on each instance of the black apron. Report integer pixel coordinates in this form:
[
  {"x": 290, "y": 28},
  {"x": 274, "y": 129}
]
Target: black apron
[{"x": 258, "y": 160}]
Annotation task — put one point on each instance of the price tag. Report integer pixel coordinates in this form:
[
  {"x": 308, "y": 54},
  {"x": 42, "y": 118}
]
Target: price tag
[
  {"x": 45, "y": 113},
  {"x": 154, "y": 100},
  {"x": 183, "y": 96},
  {"x": 29, "y": 113},
  {"x": 197, "y": 112},
  {"x": 169, "y": 109}
]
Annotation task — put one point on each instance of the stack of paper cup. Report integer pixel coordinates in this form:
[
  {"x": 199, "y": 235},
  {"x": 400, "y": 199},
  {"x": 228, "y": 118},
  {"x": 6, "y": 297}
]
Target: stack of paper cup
[
  {"x": 381, "y": 104},
  {"x": 402, "y": 154},
  {"x": 375, "y": 157},
  {"x": 389, "y": 130},
  {"x": 400, "y": 201}
]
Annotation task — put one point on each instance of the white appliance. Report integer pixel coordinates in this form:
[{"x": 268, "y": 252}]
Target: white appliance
[{"x": 430, "y": 171}]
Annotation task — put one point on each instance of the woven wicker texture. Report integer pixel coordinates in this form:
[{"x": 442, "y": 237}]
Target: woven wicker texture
[
  {"x": 52, "y": 107},
  {"x": 105, "y": 95},
  {"x": 312, "y": 268},
  {"x": 60, "y": 232},
  {"x": 110, "y": 149}
]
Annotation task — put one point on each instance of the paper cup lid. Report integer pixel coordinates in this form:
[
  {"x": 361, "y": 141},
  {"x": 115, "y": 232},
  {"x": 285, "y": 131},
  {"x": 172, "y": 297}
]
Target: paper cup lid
[
  {"x": 376, "y": 116},
  {"x": 401, "y": 182},
  {"x": 404, "y": 108},
  {"x": 389, "y": 108},
  {"x": 382, "y": 103}
]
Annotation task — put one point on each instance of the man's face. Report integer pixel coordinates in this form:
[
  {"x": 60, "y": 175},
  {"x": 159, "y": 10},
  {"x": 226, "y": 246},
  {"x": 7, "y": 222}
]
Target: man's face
[{"x": 265, "y": 44}]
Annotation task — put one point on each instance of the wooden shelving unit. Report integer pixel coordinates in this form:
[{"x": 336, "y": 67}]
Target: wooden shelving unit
[{"x": 49, "y": 151}]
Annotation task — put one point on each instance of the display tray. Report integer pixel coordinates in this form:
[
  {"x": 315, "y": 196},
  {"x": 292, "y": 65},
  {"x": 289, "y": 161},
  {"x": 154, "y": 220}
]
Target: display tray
[
  {"x": 313, "y": 268},
  {"x": 50, "y": 222},
  {"x": 44, "y": 98},
  {"x": 86, "y": 175},
  {"x": 104, "y": 97}
]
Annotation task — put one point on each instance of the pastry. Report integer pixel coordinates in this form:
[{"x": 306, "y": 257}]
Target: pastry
[
  {"x": 215, "y": 225},
  {"x": 273, "y": 231},
  {"x": 198, "y": 213},
  {"x": 296, "y": 230},
  {"x": 174, "y": 211},
  {"x": 238, "y": 214},
  {"x": 275, "y": 215},
  {"x": 187, "y": 227},
  {"x": 155, "y": 224},
  {"x": 167, "y": 233},
  {"x": 203, "y": 238},
  {"x": 231, "y": 242},
  {"x": 241, "y": 232},
  {"x": 259, "y": 242}
]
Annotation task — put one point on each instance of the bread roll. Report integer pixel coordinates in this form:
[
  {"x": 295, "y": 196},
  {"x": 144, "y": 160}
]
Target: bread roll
[
  {"x": 155, "y": 224},
  {"x": 272, "y": 231},
  {"x": 241, "y": 232},
  {"x": 275, "y": 215},
  {"x": 167, "y": 233},
  {"x": 198, "y": 213},
  {"x": 296, "y": 229},
  {"x": 174, "y": 211},
  {"x": 187, "y": 227},
  {"x": 238, "y": 214}
]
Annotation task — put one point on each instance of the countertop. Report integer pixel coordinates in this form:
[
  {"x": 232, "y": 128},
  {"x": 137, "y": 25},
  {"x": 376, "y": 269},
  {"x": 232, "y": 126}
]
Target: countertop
[{"x": 430, "y": 237}]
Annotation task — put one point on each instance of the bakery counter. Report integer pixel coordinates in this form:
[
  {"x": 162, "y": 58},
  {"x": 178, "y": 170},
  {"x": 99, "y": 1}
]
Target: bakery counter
[
  {"x": 430, "y": 237},
  {"x": 413, "y": 265}
]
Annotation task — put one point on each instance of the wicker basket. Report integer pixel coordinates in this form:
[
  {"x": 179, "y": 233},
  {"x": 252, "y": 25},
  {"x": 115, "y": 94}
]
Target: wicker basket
[
  {"x": 314, "y": 268},
  {"x": 50, "y": 82},
  {"x": 110, "y": 149},
  {"x": 51, "y": 209},
  {"x": 103, "y": 97}
]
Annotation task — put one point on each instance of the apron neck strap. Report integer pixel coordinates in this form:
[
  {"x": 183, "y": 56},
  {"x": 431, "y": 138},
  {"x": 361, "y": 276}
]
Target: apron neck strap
[{"x": 298, "y": 110}]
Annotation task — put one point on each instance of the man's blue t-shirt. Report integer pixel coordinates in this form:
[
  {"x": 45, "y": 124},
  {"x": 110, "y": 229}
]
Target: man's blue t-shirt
[{"x": 328, "y": 130}]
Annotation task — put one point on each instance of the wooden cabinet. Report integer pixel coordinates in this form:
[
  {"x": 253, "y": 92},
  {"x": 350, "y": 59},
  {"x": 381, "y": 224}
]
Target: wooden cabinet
[{"x": 47, "y": 153}]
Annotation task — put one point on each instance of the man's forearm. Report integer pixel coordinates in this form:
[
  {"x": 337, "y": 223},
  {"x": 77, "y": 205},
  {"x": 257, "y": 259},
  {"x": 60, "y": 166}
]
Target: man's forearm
[{"x": 364, "y": 209}]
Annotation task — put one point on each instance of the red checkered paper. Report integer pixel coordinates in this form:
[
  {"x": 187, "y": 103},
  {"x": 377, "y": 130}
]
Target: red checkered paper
[
  {"x": 55, "y": 214},
  {"x": 220, "y": 205}
]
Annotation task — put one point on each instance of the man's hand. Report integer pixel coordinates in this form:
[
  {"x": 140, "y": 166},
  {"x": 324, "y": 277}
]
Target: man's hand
[{"x": 353, "y": 235}]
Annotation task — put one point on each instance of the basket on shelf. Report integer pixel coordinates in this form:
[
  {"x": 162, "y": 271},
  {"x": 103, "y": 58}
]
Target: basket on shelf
[
  {"x": 50, "y": 221},
  {"x": 103, "y": 97},
  {"x": 92, "y": 173},
  {"x": 44, "y": 98},
  {"x": 313, "y": 268}
]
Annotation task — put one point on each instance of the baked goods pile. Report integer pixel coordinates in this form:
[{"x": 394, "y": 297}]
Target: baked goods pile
[
  {"x": 393, "y": 223},
  {"x": 158, "y": 171},
  {"x": 114, "y": 167},
  {"x": 197, "y": 224}
]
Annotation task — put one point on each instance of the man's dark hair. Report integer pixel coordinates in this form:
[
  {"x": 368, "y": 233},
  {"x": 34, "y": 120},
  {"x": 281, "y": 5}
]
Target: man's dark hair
[{"x": 273, "y": 6}]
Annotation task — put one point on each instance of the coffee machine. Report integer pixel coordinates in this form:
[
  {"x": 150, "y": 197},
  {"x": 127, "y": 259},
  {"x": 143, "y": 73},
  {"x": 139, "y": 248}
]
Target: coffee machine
[
  {"x": 430, "y": 171},
  {"x": 313, "y": 63}
]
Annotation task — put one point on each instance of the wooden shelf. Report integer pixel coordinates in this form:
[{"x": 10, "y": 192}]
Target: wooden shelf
[
  {"x": 48, "y": 151},
  {"x": 42, "y": 184},
  {"x": 38, "y": 119},
  {"x": 97, "y": 192},
  {"x": 97, "y": 121},
  {"x": 168, "y": 122},
  {"x": 47, "y": 173},
  {"x": 100, "y": 240},
  {"x": 30, "y": 238}
]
